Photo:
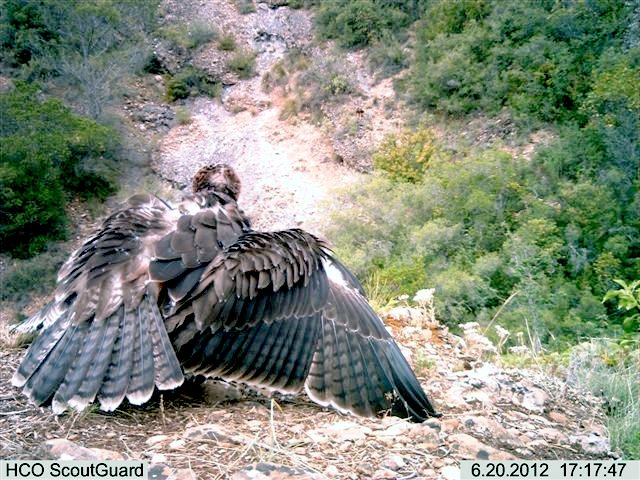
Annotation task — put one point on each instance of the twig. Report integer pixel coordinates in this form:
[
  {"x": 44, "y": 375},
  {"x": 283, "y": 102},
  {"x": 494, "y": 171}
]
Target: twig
[
  {"x": 73, "y": 422},
  {"x": 164, "y": 419},
  {"x": 504, "y": 304},
  {"x": 272, "y": 424},
  {"x": 15, "y": 412}
]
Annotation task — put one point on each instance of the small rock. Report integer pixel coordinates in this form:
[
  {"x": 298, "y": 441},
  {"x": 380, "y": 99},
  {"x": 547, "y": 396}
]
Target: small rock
[
  {"x": 592, "y": 443},
  {"x": 383, "y": 473},
  {"x": 524, "y": 452},
  {"x": 177, "y": 444},
  {"x": 158, "y": 458},
  {"x": 553, "y": 435},
  {"x": 425, "y": 435},
  {"x": 489, "y": 428},
  {"x": 67, "y": 450},
  {"x": 450, "y": 472},
  {"x": 159, "y": 471},
  {"x": 185, "y": 474},
  {"x": 331, "y": 471},
  {"x": 469, "y": 447},
  {"x": 534, "y": 399},
  {"x": 558, "y": 417},
  {"x": 451, "y": 424},
  {"x": 215, "y": 392},
  {"x": 394, "y": 462},
  {"x": 395, "y": 427},
  {"x": 434, "y": 424},
  {"x": 339, "y": 432},
  {"x": 156, "y": 439}
]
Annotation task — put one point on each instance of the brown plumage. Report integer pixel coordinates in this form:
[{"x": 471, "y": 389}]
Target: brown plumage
[{"x": 160, "y": 292}]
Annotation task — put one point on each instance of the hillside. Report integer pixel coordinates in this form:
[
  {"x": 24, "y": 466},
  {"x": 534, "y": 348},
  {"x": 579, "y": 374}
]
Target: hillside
[{"x": 464, "y": 197}]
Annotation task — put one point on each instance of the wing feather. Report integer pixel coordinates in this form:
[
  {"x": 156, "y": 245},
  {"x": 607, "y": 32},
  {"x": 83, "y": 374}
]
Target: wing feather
[
  {"x": 142, "y": 370},
  {"x": 116, "y": 381},
  {"x": 357, "y": 366},
  {"x": 82, "y": 349}
]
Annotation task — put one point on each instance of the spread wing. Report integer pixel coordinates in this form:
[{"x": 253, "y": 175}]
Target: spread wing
[
  {"x": 256, "y": 312},
  {"x": 276, "y": 310},
  {"x": 103, "y": 334},
  {"x": 357, "y": 366}
]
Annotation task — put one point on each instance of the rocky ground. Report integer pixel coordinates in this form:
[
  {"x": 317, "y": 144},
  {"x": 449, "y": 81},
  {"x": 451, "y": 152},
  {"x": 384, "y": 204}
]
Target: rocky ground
[{"x": 217, "y": 431}]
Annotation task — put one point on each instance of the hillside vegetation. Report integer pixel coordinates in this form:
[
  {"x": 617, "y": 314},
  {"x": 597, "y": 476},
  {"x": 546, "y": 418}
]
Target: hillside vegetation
[
  {"x": 530, "y": 244},
  {"x": 69, "y": 62},
  {"x": 550, "y": 234}
]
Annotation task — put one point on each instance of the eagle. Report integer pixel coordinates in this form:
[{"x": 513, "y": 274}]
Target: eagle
[{"x": 160, "y": 292}]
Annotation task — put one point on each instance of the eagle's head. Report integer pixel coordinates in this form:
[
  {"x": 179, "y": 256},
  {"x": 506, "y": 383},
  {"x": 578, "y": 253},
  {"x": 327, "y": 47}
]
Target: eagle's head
[{"x": 219, "y": 178}]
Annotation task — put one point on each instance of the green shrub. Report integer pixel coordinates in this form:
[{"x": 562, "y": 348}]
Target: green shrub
[
  {"x": 46, "y": 153},
  {"x": 405, "y": 157},
  {"x": 355, "y": 23},
  {"x": 243, "y": 64},
  {"x": 183, "y": 116},
  {"x": 387, "y": 56},
  {"x": 628, "y": 299},
  {"x": 23, "y": 32},
  {"x": 190, "y": 82},
  {"x": 23, "y": 279},
  {"x": 227, "y": 43},
  {"x": 276, "y": 76},
  {"x": 534, "y": 58},
  {"x": 325, "y": 81}
]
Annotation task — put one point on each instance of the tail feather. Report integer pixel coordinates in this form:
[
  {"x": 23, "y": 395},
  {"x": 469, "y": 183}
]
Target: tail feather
[
  {"x": 142, "y": 373},
  {"x": 116, "y": 380},
  {"x": 40, "y": 349},
  {"x": 89, "y": 386},
  {"x": 79, "y": 367},
  {"x": 50, "y": 373},
  {"x": 168, "y": 373}
]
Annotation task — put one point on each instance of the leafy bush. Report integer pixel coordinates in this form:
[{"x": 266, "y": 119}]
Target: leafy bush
[
  {"x": 535, "y": 58},
  {"x": 23, "y": 30},
  {"x": 326, "y": 80},
  {"x": 387, "y": 56},
  {"x": 47, "y": 153},
  {"x": 359, "y": 22},
  {"x": 243, "y": 63},
  {"x": 628, "y": 297},
  {"x": 190, "y": 82},
  {"x": 405, "y": 157},
  {"x": 34, "y": 276},
  {"x": 482, "y": 229},
  {"x": 227, "y": 43}
]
